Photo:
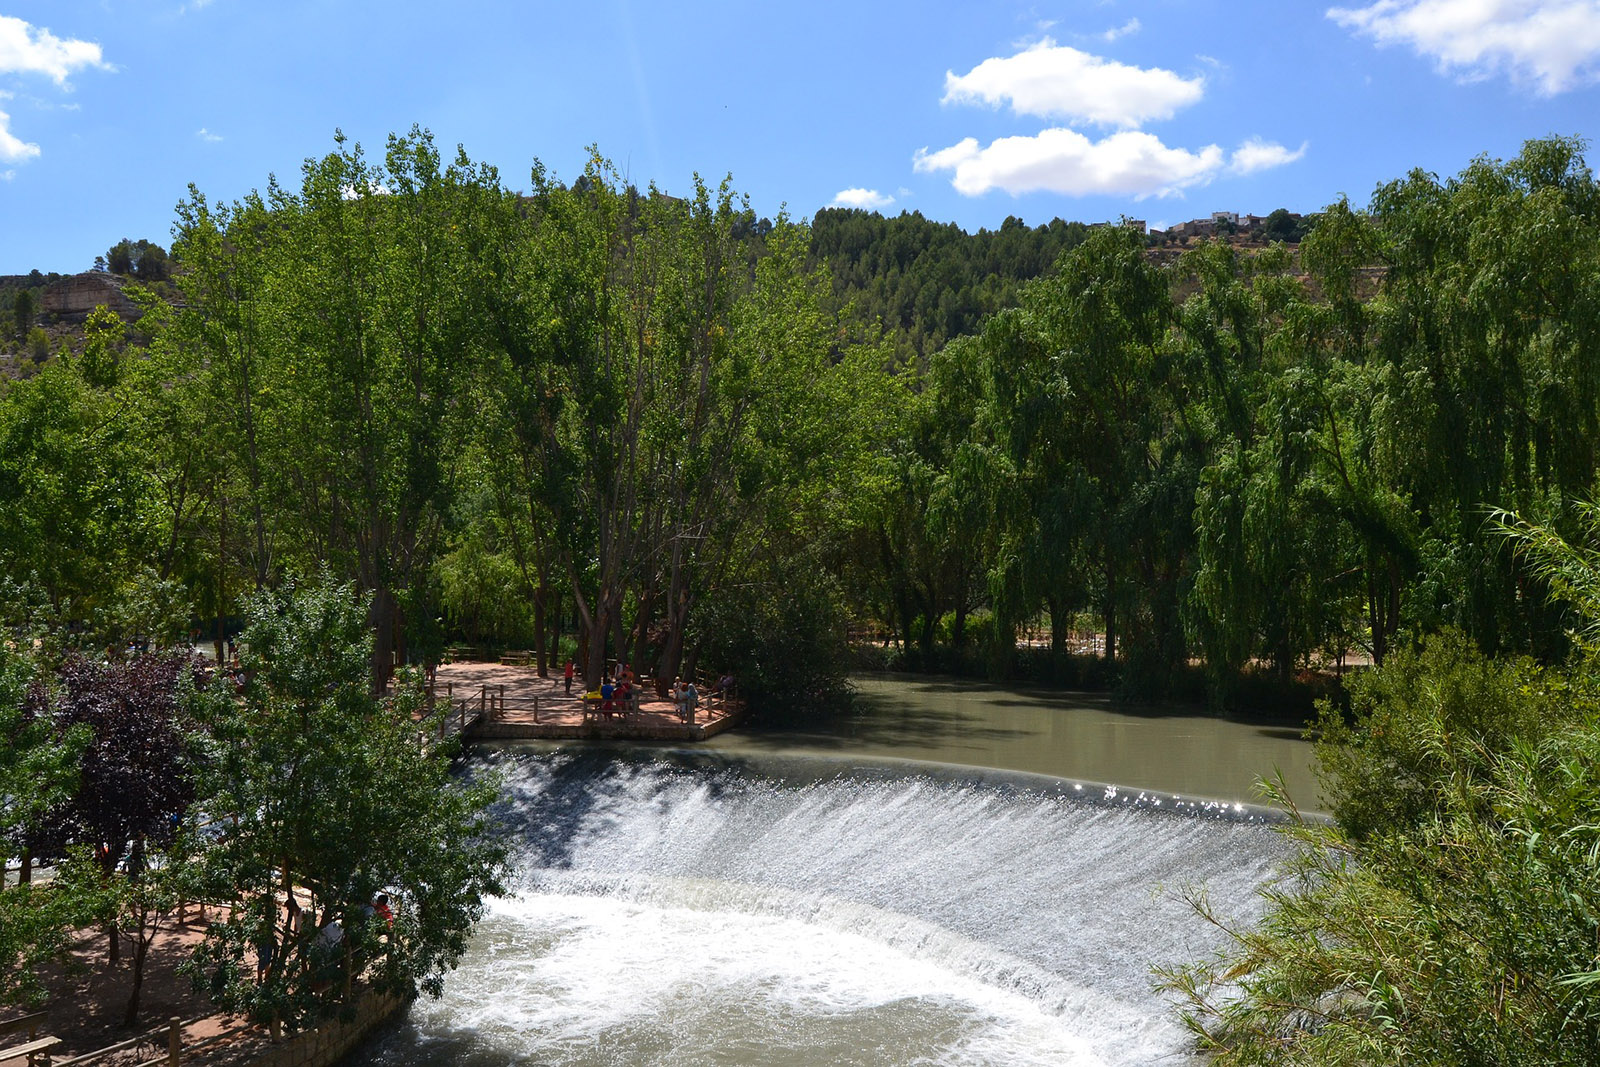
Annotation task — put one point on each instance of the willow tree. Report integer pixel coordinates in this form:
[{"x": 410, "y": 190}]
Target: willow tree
[
  {"x": 1078, "y": 401},
  {"x": 1485, "y": 327}
]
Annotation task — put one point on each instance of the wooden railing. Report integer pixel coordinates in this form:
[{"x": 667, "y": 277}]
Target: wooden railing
[
  {"x": 165, "y": 1043},
  {"x": 489, "y": 702}
]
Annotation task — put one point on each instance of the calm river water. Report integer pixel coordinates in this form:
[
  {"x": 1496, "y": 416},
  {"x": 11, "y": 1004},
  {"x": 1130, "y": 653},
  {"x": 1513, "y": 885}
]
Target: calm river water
[{"x": 1085, "y": 736}]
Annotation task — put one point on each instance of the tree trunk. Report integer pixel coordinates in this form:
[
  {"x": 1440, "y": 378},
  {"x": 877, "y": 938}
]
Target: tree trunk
[
  {"x": 619, "y": 635},
  {"x": 930, "y": 622},
  {"x": 141, "y": 949},
  {"x": 1058, "y": 628},
  {"x": 641, "y": 630},
  {"x": 1111, "y": 613},
  {"x": 958, "y": 630},
  {"x": 555, "y": 623},
  {"x": 540, "y": 660},
  {"x": 222, "y": 580},
  {"x": 25, "y": 873},
  {"x": 382, "y": 617}
]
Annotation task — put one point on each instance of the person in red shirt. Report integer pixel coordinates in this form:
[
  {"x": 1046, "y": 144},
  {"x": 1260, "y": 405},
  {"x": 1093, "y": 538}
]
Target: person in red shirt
[{"x": 569, "y": 677}]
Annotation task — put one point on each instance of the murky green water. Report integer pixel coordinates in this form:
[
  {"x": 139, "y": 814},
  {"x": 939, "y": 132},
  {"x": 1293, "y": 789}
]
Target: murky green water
[{"x": 1083, "y": 736}]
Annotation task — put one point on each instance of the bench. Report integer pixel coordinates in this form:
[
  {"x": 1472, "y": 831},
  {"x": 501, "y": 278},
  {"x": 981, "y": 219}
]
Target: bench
[
  {"x": 31, "y": 1050},
  {"x": 515, "y": 658}
]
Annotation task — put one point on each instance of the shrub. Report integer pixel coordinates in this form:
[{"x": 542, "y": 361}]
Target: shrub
[
  {"x": 1450, "y": 913},
  {"x": 785, "y": 639}
]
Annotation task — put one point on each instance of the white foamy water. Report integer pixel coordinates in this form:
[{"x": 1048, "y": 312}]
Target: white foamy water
[{"x": 666, "y": 915}]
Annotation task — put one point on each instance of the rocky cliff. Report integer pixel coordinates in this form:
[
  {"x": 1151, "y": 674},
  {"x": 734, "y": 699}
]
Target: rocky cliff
[{"x": 73, "y": 297}]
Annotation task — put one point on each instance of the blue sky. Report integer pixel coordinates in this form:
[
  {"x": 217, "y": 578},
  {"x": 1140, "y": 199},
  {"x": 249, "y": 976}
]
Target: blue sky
[{"x": 1159, "y": 109}]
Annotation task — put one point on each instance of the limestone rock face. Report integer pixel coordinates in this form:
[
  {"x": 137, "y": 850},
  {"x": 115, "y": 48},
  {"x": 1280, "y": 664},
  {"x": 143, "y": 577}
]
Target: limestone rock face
[{"x": 71, "y": 299}]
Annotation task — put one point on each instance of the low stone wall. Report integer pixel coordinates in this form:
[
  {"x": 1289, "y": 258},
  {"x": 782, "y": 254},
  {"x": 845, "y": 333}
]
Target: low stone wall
[{"x": 328, "y": 1043}]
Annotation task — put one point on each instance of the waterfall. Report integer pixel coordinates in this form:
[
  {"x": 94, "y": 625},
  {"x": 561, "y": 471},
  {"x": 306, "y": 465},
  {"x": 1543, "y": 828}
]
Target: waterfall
[{"x": 814, "y": 912}]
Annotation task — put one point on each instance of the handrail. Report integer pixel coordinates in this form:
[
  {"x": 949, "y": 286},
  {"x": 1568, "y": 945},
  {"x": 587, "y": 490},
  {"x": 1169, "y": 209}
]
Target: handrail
[
  {"x": 172, "y": 1032},
  {"x": 28, "y": 1022}
]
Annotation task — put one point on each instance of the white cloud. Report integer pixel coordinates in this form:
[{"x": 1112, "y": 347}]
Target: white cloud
[
  {"x": 207, "y": 136},
  {"x": 1257, "y": 155},
  {"x": 26, "y": 50},
  {"x": 1128, "y": 163},
  {"x": 12, "y": 148},
  {"x": 1552, "y": 44},
  {"x": 1048, "y": 80},
  {"x": 867, "y": 199},
  {"x": 7, "y": 175},
  {"x": 1130, "y": 27}
]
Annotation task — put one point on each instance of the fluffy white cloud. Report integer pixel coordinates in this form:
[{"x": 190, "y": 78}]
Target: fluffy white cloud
[
  {"x": 1054, "y": 81},
  {"x": 1128, "y": 163},
  {"x": 26, "y": 50},
  {"x": 12, "y": 148},
  {"x": 867, "y": 199},
  {"x": 1255, "y": 155},
  {"x": 1552, "y": 44},
  {"x": 207, "y": 136}
]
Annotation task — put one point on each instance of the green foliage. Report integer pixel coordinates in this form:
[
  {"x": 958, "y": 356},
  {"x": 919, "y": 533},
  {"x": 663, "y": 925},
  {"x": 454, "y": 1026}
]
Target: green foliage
[
  {"x": 36, "y": 926},
  {"x": 484, "y": 594},
  {"x": 38, "y": 763},
  {"x": 143, "y": 259},
  {"x": 925, "y": 283},
  {"x": 1450, "y": 913},
  {"x": 23, "y": 310},
  {"x": 1434, "y": 718},
  {"x": 338, "y": 796},
  {"x": 665, "y": 407},
  {"x": 103, "y": 337},
  {"x": 783, "y": 639},
  {"x": 70, "y": 490}
]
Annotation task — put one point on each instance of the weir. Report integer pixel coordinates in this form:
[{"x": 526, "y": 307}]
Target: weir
[{"x": 804, "y": 912}]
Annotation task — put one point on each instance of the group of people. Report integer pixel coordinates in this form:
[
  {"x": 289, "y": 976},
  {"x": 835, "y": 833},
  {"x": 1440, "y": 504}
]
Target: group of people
[
  {"x": 619, "y": 691},
  {"x": 685, "y": 697},
  {"x": 327, "y": 946},
  {"x": 618, "y": 694}
]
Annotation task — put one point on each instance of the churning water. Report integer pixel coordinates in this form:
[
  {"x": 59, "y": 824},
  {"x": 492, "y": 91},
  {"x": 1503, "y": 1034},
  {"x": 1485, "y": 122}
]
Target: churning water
[{"x": 787, "y": 912}]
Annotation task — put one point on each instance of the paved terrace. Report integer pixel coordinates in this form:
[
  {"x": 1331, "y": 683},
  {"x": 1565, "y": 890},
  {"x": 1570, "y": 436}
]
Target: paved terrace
[{"x": 503, "y": 702}]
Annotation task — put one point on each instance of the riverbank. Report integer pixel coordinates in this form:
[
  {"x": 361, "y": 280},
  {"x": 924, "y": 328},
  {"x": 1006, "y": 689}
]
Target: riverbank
[{"x": 1256, "y": 695}]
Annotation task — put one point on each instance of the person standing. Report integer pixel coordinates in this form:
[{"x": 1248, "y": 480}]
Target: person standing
[{"x": 569, "y": 677}]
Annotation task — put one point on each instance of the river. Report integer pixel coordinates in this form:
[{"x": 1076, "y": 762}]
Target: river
[
  {"x": 1084, "y": 736},
  {"x": 954, "y": 874}
]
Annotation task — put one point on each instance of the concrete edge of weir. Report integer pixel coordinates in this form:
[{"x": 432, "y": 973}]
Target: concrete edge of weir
[{"x": 808, "y": 768}]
